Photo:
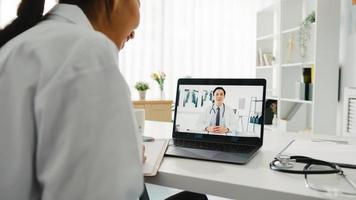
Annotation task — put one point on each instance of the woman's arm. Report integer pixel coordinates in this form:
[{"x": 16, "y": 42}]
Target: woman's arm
[{"x": 87, "y": 147}]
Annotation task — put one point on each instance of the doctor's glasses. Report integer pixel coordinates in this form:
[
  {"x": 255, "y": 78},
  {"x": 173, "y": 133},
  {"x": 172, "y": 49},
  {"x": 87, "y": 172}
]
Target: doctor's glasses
[{"x": 333, "y": 184}]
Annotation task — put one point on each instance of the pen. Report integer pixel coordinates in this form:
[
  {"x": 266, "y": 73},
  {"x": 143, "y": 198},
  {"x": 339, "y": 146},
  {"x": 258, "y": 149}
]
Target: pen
[
  {"x": 286, "y": 147},
  {"x": 335, "y": 141}
]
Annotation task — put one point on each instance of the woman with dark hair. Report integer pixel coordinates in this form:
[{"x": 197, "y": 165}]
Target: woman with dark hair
[
  {"x": 67, "y": 127},
  {"x": 66, "y": 119}
]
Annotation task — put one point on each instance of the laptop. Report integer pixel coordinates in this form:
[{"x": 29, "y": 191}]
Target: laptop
[{"x": 218, "y": 119}]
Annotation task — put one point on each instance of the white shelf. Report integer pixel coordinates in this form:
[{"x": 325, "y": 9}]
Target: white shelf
[
  {"x": 291, "y": 30},
  {"x": 264, "y": 67},
  {"x": 297, "y": 28},
  {"x": 272, "y": 97},
  {"x": 297, "y": 100},
  {"x": 299, "y": 64},
  {"x": 266, "y": 37}
]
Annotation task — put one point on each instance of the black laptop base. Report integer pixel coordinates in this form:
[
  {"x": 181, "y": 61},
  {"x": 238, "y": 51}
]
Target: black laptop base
[
  {"x": 190, "y": 118},
  {"x": 239, "y": 155}
]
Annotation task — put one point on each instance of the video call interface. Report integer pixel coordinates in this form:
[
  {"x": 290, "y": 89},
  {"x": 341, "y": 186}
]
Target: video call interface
[{"x": 223, "y": 110}]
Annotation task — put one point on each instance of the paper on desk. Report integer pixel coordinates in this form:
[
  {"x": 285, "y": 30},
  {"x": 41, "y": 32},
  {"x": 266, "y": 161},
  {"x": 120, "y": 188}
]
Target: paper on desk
[
  {"x": 154, "y": 153},
  {"x": 327, "y": 151}
]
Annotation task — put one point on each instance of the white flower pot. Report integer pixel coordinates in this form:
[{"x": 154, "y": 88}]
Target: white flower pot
[{"x": 142, "y": 95}]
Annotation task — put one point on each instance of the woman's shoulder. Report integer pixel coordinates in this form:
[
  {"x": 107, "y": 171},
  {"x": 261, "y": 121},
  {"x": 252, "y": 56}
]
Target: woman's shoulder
[
  {"x": 61, "y": 39},
  {"x": 62, "y": 49},
  {"x": 77, "y": 43},
  {"x": 78, "y": 37}
]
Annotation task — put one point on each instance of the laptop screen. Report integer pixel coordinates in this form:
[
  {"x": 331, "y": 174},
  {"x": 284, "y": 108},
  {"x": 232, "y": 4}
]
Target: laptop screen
[{"x": 220, "y": 110}]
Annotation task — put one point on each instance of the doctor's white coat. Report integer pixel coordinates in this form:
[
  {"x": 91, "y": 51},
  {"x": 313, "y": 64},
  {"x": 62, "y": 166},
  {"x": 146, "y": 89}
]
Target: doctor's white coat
[
  {"x": 67, "y": 129},
  {"x": 227, "y": 119}
]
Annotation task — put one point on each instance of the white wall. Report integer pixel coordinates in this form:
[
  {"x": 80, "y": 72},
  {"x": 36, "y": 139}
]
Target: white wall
[{"x": 347, "y": 53}]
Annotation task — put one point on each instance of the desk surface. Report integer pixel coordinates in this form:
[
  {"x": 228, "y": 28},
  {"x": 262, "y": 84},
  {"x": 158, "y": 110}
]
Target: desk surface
[{"x": 251, "y": 181}]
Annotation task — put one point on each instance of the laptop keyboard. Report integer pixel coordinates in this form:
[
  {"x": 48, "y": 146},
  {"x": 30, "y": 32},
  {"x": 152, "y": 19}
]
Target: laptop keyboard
[{"x": 213, "y": 146}]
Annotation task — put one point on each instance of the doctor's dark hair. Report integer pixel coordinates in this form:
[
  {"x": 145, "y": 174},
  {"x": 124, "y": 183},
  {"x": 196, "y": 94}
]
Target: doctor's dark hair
[
  {"x": 30, "y": 12},
  {"x": 219, "y": 88}
]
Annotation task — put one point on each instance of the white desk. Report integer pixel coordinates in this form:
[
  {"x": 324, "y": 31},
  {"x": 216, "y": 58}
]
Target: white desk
[{"x": 251, "y": 181}]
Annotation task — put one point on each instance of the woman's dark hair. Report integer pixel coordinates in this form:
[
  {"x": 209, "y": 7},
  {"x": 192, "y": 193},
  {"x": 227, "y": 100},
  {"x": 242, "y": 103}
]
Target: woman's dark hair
[
  {"x": 219, "y": 88},
  {"x": 30, "y": 12}
]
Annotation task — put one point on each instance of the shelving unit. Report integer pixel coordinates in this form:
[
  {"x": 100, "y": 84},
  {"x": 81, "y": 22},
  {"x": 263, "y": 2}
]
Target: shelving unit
[{"x": 278, "y": 32}]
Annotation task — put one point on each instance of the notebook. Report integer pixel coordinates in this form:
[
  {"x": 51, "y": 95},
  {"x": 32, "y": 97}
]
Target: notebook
[
  {"x": 335, "y": 151},
  {"x": 154, "y": 153},
  {"x": 218, "y": 119}
]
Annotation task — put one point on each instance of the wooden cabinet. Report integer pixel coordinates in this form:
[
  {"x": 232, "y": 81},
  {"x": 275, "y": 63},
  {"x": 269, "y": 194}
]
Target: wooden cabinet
[{"x": 156, "y": 110}]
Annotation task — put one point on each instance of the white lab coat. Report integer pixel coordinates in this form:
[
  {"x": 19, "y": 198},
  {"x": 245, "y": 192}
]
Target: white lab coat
[
  {"x": 67, "y": 127},
  {"x": 227, "y": 119}
]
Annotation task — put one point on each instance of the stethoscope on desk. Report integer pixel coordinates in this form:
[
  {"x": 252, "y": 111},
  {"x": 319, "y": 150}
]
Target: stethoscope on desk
[{"x": 283, "y": 163}]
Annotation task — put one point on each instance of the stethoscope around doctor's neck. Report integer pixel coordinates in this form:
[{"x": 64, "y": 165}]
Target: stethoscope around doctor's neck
[{"x": 212, "y": 109}]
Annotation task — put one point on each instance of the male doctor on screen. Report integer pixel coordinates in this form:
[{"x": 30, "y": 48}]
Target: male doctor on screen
[{"x": 218, "y": 119}]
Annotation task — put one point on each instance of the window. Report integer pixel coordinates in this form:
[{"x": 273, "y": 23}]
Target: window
[{"x": 184, "y": 38}]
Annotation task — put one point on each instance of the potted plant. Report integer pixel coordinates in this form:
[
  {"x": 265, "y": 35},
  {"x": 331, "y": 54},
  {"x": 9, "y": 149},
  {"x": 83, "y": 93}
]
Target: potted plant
[
  {"x": 142, "y": 87},
  {"x": 304, "y": 33}
]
